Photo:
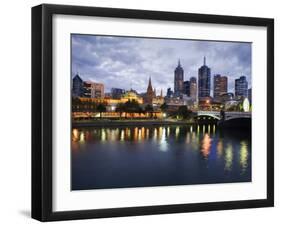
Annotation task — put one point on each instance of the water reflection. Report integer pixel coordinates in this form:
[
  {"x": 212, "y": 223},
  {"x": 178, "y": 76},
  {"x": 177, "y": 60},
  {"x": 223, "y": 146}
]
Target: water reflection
[
  {"x": 220, "y": 148},
  {"x": 206, "y": 145},
  {"x": 204, "y": 141},
  {"x": 228, "y": 157},
  {"x": 244, "y": 153},
  {"x": 163, "y": 144}
]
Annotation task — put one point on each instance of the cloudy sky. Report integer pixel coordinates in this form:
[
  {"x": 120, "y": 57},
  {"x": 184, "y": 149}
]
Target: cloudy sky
[{"x": 125, "y": 62}]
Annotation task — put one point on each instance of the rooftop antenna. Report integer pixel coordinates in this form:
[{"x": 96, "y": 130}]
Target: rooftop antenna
[
  {"x": 204, "y": 60},
  {"x": 179, "y": 62}
]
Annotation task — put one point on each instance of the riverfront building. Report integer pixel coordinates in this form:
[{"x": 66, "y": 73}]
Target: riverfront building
[
  {"x": 186, "y": 88},
  {"x": 241, "y": 87},
  {"x": 116, "y": 93},
  {"x": 77, "y": 86},
  {"x": 220, "y": 86},
  {"x": 193, "y": 88},
  {"x": 93, "y": 90}
]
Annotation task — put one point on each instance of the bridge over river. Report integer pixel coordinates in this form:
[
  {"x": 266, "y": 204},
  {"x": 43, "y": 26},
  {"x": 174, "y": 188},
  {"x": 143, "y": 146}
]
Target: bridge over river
[{"x": 227, "y": 118}]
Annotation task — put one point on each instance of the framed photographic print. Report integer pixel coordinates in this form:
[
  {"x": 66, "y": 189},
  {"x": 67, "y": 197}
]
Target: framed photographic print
[{"x": 146, "y": 112}]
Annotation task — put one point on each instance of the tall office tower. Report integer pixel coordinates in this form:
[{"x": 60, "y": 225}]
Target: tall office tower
[
  {"x": 77, "y": 86},
  {"x": 178, "y": 82},
  {"x": 193, "y": 88},
  {"x": 204, "y": 80},
  {"x": 186, "y": 88},
  {"x": 220, "y": 86},
  {"x": 241, "y": 87}
]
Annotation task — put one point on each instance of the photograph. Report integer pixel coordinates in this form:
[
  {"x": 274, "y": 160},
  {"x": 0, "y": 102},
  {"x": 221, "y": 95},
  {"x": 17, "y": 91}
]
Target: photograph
[{"x": 153, "y": 111}]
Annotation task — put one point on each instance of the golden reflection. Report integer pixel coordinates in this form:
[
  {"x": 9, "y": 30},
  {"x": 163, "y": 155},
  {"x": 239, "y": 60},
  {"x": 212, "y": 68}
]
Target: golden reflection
[
  {"x": 122, "y": 135},
  {"x": 160, "y": 133},
  {"x": 191, "y": 129},
  {"x": 203, "y": 129},
  {"x": 155, "y": 134},
  {"x": 209, "y": 129},
  {"x": 220, "y": 148},
  {"x": 198, "y": 129},
  {"x": 103, "y": 135},
  {"x": 244, "y": 156},
  {"x": 139, "y": 134},
  {"x": 142, "y": 133},
  {"x": 168, "y": 131},
  {"x": 128, "y": 133},
  {"x": 82, "y": 137},
  {"x": 136, "y": 133},
  {"x": 214, "y": 128},
  {"x": 206, "y": 145},
  {"x": 228, "y": 157},
  {"x": 75, "y": 135},
  {"x": 147, "y": 133},
  {"x": 177, "y": 132}
]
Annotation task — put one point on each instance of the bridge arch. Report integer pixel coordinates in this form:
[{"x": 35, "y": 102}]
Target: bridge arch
[{"x": 207, "y": 116}]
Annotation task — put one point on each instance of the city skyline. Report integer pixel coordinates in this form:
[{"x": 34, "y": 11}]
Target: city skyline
[{"x": 114, "y": 60}]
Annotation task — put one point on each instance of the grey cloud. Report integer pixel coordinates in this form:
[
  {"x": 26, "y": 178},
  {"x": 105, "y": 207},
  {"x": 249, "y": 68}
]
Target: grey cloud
[{"x": 128, "y": 62}]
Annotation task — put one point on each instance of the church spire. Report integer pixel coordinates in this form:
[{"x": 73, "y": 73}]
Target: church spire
[{"x": 149, "y": 87}]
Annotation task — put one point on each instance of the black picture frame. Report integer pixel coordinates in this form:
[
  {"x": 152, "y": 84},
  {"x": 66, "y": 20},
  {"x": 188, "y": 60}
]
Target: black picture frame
[{"x": 42, "y": 108}]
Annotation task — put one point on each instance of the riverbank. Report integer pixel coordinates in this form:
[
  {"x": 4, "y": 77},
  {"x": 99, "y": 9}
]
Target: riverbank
[{"x": 101, "y": 123}]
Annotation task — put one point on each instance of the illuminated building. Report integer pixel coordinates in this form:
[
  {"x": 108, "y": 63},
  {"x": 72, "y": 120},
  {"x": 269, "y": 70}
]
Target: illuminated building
[
  {"x": 204, "y": 80},
  {"x": 241, "y": 87},
  {"x": 193, "y": 88},
  {"x": 130, "y": 96},
  {"x": 158, "y": 100},
  {"x": 220, "y": 86},
  {"x": 178, "y": 81}
]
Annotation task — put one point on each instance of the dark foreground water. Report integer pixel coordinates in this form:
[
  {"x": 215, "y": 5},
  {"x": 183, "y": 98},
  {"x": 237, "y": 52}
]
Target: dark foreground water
[{"x": 158, "y": 156}]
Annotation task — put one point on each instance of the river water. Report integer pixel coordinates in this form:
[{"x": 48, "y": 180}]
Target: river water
[{"x": 158, "y": 156}]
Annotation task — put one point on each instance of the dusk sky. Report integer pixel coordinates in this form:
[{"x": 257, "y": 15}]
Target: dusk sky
[{"x": 125, "y": 62}]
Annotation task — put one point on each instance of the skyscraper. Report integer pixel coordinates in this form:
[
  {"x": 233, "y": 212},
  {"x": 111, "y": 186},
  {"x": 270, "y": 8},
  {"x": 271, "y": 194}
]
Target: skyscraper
[
  {"x": 77, "y": 86},
  {"x": 193, "y": 88},
  {"x": 178, "y": 83},
  {"x": 186, "y": 88},
  {"x": 204, "y": 80},
  {"x": 220, "y": 86},
  {"x": 241, "y": 87}
]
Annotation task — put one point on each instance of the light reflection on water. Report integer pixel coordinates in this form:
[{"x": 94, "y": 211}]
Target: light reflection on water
[{"x": 225, "y": 155}]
